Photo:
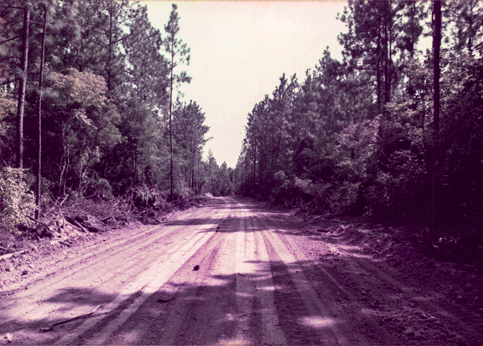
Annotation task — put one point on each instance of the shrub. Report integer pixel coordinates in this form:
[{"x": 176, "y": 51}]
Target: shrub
[
  {"x": 99, "y": 188},
  {"x": 401, "y": 193},
  {"x": 17, "y": 202}
]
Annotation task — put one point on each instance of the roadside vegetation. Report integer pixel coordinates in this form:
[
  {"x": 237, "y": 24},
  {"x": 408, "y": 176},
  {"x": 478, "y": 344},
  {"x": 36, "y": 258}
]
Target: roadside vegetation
[
  {"x": 93, "y": 130},
  {"x": 376, "y": 135}
]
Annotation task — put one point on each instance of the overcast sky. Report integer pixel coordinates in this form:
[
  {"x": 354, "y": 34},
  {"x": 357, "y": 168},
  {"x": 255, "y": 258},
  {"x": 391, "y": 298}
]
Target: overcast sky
[{"x": 239, "y": 50}]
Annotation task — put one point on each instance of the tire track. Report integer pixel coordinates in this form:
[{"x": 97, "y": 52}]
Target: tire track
[
  {"x": 83, "y": 262},
  {"x": 104, "y": 273},
  {"x": 201, "y": 312},
  {"x": 148, "y": 283},
  {"x": 109, "y": 273},
  {"x": 386, "y": 301},
  {"x": 346, "y": 300},
  {"x": 241, "y": 277}
]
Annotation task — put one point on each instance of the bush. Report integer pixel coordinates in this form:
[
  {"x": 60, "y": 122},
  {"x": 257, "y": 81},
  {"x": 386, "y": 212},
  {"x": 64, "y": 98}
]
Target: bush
[
  {"x": 17, "y": 202},
  {"x": 400, "y": 194},
  {"x": 99, "y": 188},
  {"x": 148, "y": 197}
]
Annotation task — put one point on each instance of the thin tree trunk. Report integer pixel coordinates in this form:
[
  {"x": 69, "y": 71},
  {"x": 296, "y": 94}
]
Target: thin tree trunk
[
  {"x": 378, "y": 75},
  {"x": 254, "y": 164},
  {"x": 387, "y": 55},
  {"x": 436, "y": 74},
  {"x": 64, "y": 165},
  {"x": 192, "y": 171},
  {"x": 209, "y": 174},
  {"x": 23, "y": 85},
  {"x": 109, "y": 57},
  {"x": 470, "y": 29},
  {"x": 39, "y": 117},
  {"x": 170, "y": 125},
  {"x": 136, "y": 175}
]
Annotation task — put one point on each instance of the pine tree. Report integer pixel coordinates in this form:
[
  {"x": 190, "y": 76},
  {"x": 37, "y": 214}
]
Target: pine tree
[
  {"x": 148, "y": 70},
  {"x": 379, "y": 41},
  {"x": 189, "y": 133},
  {"x": 465, "y": 25},
  {"x": 179, "y": 54}
]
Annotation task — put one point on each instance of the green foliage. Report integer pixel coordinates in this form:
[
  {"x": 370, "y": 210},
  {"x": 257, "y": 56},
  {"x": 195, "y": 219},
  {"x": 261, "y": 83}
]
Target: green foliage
[
  {"x": 7, "y": 108},
  {"x": 17, "y": 202},
  {"x": 99, "y": 188},
  {"x": 189, "y": 139},
  {"x": 147, "y": 69},
  {"x": 356, "y": 136},
  {"x": 107, "y": 82},
  {"x": 400, "y": 192},
  {"x": 353, "y": 137},
  {"x": 88, "y": 124},
  {"x": 143, "y": 196}
]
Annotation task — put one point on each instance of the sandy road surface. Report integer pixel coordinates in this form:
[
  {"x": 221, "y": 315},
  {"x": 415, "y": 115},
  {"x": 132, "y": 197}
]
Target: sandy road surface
[{"x": 259, "y": 280}]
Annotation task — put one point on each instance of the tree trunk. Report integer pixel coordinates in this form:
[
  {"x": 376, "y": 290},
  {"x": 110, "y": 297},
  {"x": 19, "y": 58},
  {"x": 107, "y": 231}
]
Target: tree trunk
[
  {"x": 436, "y": 74},
  {"x": 192, "y": 173},
  {"x": 387, "y": 51},
  {"x": 209, "y": 174},
  {"x": 470, "y": 29},
  {"x": 254, "y": 164},
  {"x": 378, "y": 75},
  {"x": 109, "y": 56},
  {"x": 170, "y": 126},
  {"x": 23, "y": 85},
  {"x": 64, "y": 164},
  {"x": 39, "y": 117}
]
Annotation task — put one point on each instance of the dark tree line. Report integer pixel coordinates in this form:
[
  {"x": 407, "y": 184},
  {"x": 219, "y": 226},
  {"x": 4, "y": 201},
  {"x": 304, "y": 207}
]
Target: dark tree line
[
  {"x": 377, "y": 134},
  {"x": 88, "y": 101}
]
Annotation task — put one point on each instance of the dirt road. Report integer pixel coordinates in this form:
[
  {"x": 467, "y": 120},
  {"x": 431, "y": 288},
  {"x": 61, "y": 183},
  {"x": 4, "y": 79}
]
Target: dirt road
[{"x": 230, "y": 273}]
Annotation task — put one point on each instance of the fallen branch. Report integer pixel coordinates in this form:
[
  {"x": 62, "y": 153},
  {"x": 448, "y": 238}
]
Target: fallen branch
[
  {"x": 107, "y": 218},
  {"x": 65, "y": 198},
  {"x": 76, "y": 223},
  {"x": 82, "y": 228},
  {"x": 41, "y": 223},
  {"x": 52, "y": 325},
  {"x": 12, "y": 254}
]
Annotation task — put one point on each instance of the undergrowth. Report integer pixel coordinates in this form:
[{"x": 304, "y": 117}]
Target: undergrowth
[{"x": 95, "y": 214}]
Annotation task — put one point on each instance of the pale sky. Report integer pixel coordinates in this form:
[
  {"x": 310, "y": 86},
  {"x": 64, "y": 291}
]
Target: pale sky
[{"x": 239, "y": 50}]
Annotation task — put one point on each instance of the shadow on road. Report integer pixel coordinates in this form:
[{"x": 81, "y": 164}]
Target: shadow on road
[{"x": 353, "y": 303}]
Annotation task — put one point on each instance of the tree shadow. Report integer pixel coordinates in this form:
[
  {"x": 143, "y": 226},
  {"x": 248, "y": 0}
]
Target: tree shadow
[
  {"x": 66, "y": 302},
  {"x": 80, "y": 296},
  {"x": 361, "y": 308}
]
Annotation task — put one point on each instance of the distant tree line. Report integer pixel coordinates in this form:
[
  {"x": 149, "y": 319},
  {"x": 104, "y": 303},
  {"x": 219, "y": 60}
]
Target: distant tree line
[
  {"x": 88, "y": 102},
  {"x": 360, "y": 136}
]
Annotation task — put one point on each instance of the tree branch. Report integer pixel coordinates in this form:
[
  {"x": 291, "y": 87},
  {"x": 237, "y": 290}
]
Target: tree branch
[
  {"x": 9, "y": 57},
  {"x": 41, "y": 223},
  {"x": 10, "y": 39}
]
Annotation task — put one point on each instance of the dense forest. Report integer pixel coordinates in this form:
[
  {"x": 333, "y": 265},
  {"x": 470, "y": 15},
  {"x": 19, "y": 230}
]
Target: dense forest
[
  {"x": 90, "y": 108},
  {"x": 377, "y": 134}
]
